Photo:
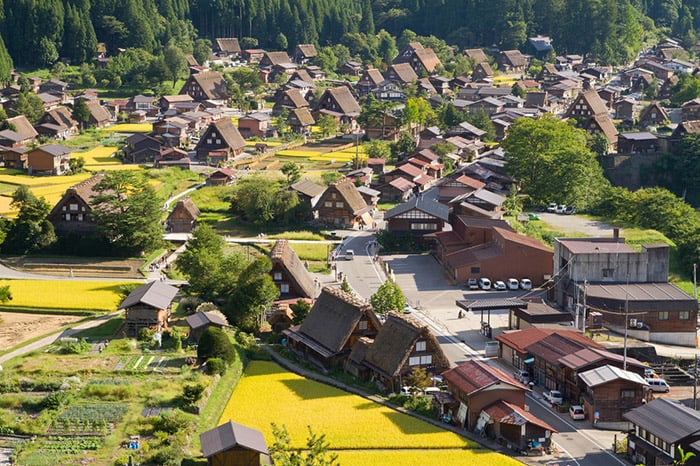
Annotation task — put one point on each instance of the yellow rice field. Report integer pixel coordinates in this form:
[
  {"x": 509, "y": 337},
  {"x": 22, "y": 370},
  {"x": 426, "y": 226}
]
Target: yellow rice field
[
  {"x": 267, "y": 143},
  {"x": 33, "y": 181},
  {"x": 129, "y": 128},
  {"x": 100, "y": 158},
  {"x": 65, "y": 294},
  {"x": 267, "y": 393}
]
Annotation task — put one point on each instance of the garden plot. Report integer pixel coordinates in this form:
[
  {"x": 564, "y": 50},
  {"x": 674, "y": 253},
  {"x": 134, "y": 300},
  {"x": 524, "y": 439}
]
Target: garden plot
[{"x": 143, "y": 362}]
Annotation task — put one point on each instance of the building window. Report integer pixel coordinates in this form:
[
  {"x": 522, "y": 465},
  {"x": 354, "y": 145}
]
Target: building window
[
  {"x": 627, "y": 395},
  {"x": 426, "y": 360},
  {"x": 278, "y": 276},
  {"x": 208, "y": 141},
  {"x": 663, "y": 315},
  {"x": 68, "y": 217},
  {"x": 608, "y": 272},
  {"x": 362, "y": 325},
  {"x": 284, "y": 287},
  {"x": 328, "y": 204},
  {"x": 423, "y": 226},
  {"x": 218, "y": 141},
  {"x": 339, "y": 205},
  {"x": 476, "y": 270},
  {"x": 414, "y": 361},
  {"x": 74, "y": 207},
  {"x": 684, "y": 315},
  {"x": 420, "y": 346},
  {"x": 332, "y": 195},
  {"x": 80, "y": 217}
]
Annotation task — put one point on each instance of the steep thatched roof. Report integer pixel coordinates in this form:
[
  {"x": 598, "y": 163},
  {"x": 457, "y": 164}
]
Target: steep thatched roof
[
  {"x": 188, "y": 205},
  {"x": 396, "y": 341},
  {"x": 349, "y": 193},
  {"x": 212, "y": 83},
  {"x": 333, "y": 318},
  {"x": 285, "y": 256}
]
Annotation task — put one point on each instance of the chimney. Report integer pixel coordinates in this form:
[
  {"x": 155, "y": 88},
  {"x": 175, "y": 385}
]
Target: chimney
[{"x": 616, "y": 234}]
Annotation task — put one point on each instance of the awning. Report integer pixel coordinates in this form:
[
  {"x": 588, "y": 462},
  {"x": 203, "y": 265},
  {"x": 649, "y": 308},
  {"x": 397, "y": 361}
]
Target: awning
[{"x": 529, "y": 360}]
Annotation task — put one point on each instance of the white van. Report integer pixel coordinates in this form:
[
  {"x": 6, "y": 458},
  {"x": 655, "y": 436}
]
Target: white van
[
  {"x": 485, "y": 284},
  {"x": 658, "y": 385},
  {"x": 349, "y": 255}
]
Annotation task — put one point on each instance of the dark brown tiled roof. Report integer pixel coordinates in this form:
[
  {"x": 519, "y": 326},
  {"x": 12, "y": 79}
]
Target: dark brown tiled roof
[
  {"x": 283, "y": 254},
  {"x": 395, "y": 342},
  {"x": 508, "y": 413},
  {"x": 201, "y": 319},
  {"x": 555, "y": 346},
  {"x": 475, "y": 375},
  {"x": 521, "y": 339},
  {"x": 514, "y": 237}
]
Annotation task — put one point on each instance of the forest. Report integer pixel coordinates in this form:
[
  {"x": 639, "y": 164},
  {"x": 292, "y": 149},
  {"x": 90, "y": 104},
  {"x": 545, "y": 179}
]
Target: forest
[{"x": 39, "y": 32}]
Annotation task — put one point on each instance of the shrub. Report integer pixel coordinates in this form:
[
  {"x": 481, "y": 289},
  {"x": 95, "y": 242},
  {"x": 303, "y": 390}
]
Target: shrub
[
  {"x": 55, "y": 400},
  {"x": 215, "y": 343},
  {"x": 74, "y": 347},
  {"x": 173, "y": 422},
  {"x": 215, "y": 366},
  {"x": 146, "y": 334},
  {"x": 170, "y": 455},
  {"x": 192, "y": 393}
]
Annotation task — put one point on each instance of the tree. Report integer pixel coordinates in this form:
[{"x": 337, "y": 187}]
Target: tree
[
  {"x": 254, "y": 292},
  {"x": 388, "y": 297},
  {"x": 6, "y": 64},
  {"x": 175, "y": 62},
  {"x": 292, "y": 171},
  {"x": 367, "y": 21},
  {"x": 404, "y": 146},
  {"x": 209, "y": 270},
  {"x": 600, "y": 144},
  {"x": 513, "y": 205},
  {"x": 281, "y": 41},
  {"x": 300, "y": 309},
  {"x": 262, "y": 200},
  {"x": 345, "y": 286},
  {"x": 30, "y": 231},
  {"x": 316, "y": 451},
  {"x": 331, "y": 177},
  {"x": 377, "y": 149},
  {"x": 46, "y": 53},
  {"x": 282, "y": 120},
  {"x": 29, "y": 105},
  {"x": 201, "y": 50},
  {"x": 552, "y": 162},
  {"x": 81, "y": 112},
  {"x": 127, "y": 212},
  {"x": 327, "y": 125},
  {"x": 76, "y": 164},
  {"x": 418, "y": 378}
]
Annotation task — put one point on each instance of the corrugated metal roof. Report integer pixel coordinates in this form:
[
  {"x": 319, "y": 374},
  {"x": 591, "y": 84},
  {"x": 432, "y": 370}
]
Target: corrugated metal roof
[
  {"x": 155, "y": 294},
  {"x": 607, "y": 373},
  {"x": 668, "y": 420},
  {"x": 230, "y": 435}
]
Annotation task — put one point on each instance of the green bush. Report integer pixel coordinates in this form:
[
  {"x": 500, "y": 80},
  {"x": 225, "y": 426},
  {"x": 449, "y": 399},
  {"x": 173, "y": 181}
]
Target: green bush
[
  {"x": 215, "y": 366},
  {"x": 191, "y": 394},
  {"x": 174, "y": 422},
  {"x": 74, "y": 347},
  {"x": 170, "y": 455},
  {"x": 146, "y": 334},
  {"x": 215, "y": 343},
  {"x": 55, "y": 400}
]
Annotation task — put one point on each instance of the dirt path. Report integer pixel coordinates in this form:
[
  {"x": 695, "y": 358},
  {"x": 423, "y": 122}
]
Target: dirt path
[
  {"x": 576, "y": 224},
  {"x": 17, "y": 328}
]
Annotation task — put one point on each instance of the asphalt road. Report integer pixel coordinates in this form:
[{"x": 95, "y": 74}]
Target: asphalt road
[{"x": 426, "y": 288}]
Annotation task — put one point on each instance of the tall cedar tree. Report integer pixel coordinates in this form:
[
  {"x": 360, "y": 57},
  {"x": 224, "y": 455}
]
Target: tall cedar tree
[
  {"x": 127, "y": 212},
  {"x": 81, "y": 112},
  {"x": 30, "y": 231}
]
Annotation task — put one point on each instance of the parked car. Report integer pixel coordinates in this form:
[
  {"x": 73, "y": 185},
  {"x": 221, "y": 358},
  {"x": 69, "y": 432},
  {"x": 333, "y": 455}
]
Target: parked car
[
  {"x": 407, "y": 309},
  {"x": 576, "y": 413},
  {"x": 553, "y": 396},
  {"x": 571, "y": 210},
  {"x": 349, "y": 255},
  {"x": 525, "y": 284},
  {"x": 484, "y": 284},
  {"x": 513, "y": 284},
  {"x": 658, "y": 385},
  {"x": 522, "y": 376},
  {"x": 560, "y": 209},
  {"x": 532, "y": 216},
  {"x": 650, "y": 374},
  {"x": 552, "y": 207},
  {"x": 472, "y": 284},
  {"x": 499, "y": 285}
]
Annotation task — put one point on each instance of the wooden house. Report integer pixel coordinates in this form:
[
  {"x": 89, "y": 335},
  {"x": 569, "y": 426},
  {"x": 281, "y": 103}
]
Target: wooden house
[
  {"x": 482, "y": 71},
  {"x": 21, "y": 126},
  {"x": 477, "y": 55},
  {"x": 57, "y": 123},
  {"x": 289, "y": 274},
  {"x": 253, "y": 55},
  {"x": 99, "y": 115},
  {"x": 207, "y": 85},
  {"x": 397, "y": 190},
  {"x": 183, "y": 218},
  {"x": 148, "y": 306},
  {"x": 301, "y": 120},
  {"x": 220, "y": 142},
  {"x": 256, "y": 124},
  {"x": 418, "y": 216},
  {"x": 402, "y": 344},
  {"x": 512, "y": 61},
  {"x": 234, "y": 444},
  {"x": 423, "y": 60},
  {"x": 169, "y": 102},
  {"x": 141, "y": 148},
  {"x": 304, "y": 53},
  {"x": 50, "y": 159},
  {"x": 339, "y": 103},
  {"x": 401, "y": 73},
  {"x": 308, "y": 192},
  {"x": 227, "y": 47},
  {"x": 369, "y": 81},
  {"x": 653, "y": 115},
  {"x": 222, "y": 176},
  {"x": 342, "y": 205},
  {"x": 56, "y": 88},
  {"x": 200, "y": 321},
  {"x": 610, "y": 392},
  {"x": 660, "y": 429},
  {"x": 272, "y": 59},
  {"x": 289, "y": 99},
  {"x": 334, "y": 324},
  {"x": 591, "y": 114},
  {"x": 477, "y": 385},
  {"x": 71, "y": 214},
  {"x": 14, "y": 157}
]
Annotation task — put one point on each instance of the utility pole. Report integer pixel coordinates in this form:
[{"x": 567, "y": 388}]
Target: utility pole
[
  {"x": 695, "y": 382},
  {"x": 695, "y": 281},
  {"x": 585, "y": 291},
  {"x": 627, "y": 324}
]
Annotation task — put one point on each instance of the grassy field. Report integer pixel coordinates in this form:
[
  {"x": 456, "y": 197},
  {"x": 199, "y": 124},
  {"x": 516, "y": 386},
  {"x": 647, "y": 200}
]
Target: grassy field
[
  {"x": 267, "y": 394},
  {"x": 64, "y": 294},
  {"x": 129, "y": 128}
]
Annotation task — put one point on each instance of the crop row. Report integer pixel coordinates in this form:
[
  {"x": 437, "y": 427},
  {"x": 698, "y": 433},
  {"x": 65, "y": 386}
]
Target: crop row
[
  {"x": 72, "y": 445},
  {"x": 109, "y": 412}
]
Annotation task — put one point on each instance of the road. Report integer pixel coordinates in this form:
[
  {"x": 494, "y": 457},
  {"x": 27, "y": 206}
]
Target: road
[{"x": 426, "y": 288}]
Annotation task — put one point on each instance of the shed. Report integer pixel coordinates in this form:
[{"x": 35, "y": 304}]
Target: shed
[
  {"x": 233, "y": 444},
  {"x": 183, "y": 218},
  {"x": 200, "y": 321},
  {"x": 148, "y": 306}
]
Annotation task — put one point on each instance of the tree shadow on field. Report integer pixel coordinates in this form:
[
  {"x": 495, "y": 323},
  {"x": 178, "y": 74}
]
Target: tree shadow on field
[
  {"x": 409, "y": 428},
  {"x": 309, "y": 390}
]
